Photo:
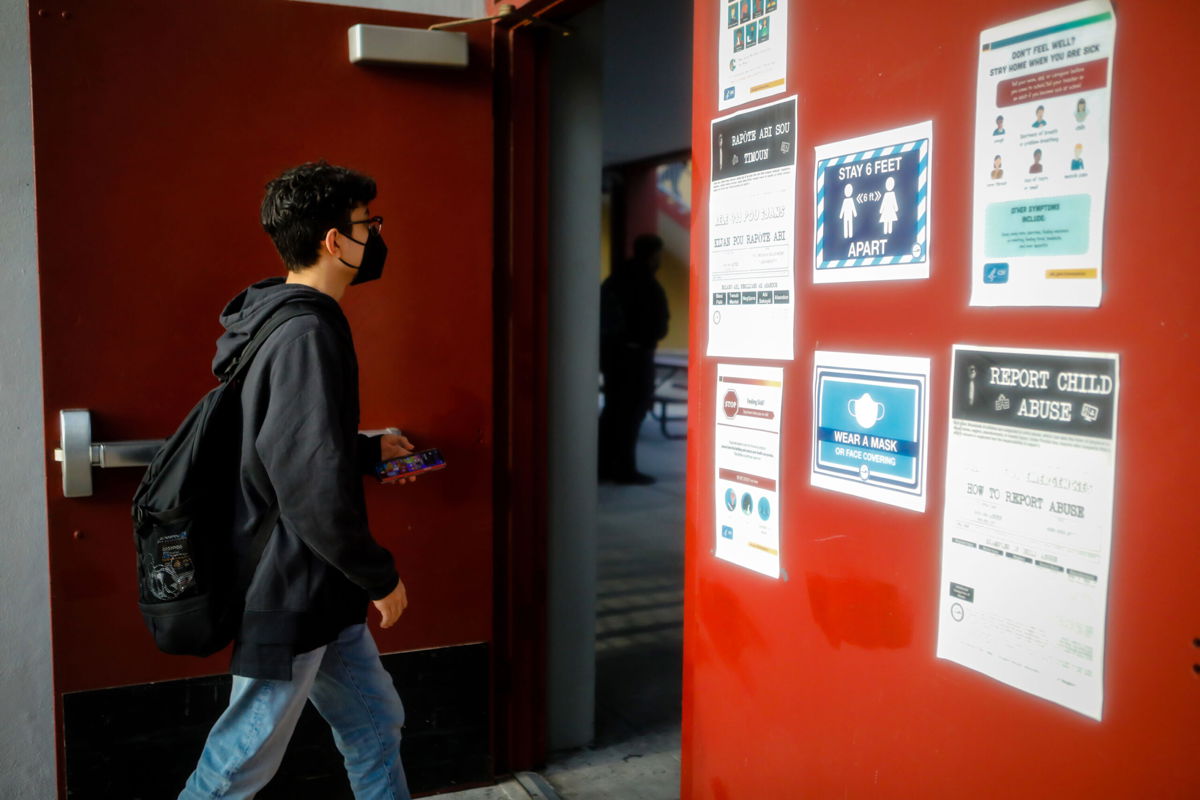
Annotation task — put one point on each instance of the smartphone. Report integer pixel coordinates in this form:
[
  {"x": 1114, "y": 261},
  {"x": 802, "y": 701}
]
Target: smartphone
[{"x": 415, "y": 464}]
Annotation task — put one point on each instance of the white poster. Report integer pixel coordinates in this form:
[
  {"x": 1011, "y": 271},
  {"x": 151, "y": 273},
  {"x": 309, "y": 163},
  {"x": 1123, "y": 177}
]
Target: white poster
[
  {"x": 752, "y": 52},
  {"x": 751, "y": 227},
  {"x": 872, "y": 207},
  {"x": 746, "y": 484},
  {"x": 871, "y": 420},
  {"x": 1027, "y": 533},
  {"x": 1041, "y": 158}
]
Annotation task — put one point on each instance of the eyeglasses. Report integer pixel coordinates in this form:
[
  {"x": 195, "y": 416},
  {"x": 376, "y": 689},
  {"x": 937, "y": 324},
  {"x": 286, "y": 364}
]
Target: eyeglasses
[{"x": 374, "y": 223}]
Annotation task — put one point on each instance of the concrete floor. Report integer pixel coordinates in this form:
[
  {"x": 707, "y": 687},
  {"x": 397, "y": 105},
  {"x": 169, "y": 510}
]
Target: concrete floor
[{"x": 639, "y": 645}]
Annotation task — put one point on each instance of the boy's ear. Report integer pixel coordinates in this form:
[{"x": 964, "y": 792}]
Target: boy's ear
[{"x": 330, "y": 242}]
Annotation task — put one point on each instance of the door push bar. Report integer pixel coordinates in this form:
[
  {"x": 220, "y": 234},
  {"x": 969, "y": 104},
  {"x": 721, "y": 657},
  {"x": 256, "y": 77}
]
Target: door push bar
[{"x": 78, "y": 453}]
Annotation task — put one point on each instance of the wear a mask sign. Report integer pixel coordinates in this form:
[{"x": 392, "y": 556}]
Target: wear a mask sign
[{"x": 872, "y": 419}]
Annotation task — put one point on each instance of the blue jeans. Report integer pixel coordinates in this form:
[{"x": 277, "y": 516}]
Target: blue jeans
[{"x": 353, "y": 692}]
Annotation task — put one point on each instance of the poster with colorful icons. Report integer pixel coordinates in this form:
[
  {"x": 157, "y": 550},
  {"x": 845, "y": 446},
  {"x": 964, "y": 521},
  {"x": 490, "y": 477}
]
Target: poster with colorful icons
[
  {"x": 752, "y": 51},
  {"x": 1042, "y": 109},
  {"x": 872, "y": 206},
  {"x": 871, "y": 415},
  {"x": 746, "y": 483}
]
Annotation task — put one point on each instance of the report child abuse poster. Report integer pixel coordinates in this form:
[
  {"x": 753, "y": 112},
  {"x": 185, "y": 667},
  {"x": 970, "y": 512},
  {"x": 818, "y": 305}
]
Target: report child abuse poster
[
  {"x": 1027, "y": 533},
  {"x": 1041, "y": 158}
]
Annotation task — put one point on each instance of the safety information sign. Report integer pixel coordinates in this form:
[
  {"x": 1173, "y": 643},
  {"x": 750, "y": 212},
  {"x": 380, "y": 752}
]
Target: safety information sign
[
  {"x": 1027, "y": 533},
  {"x": 751, "y": 232},
  {"x": 1041, "y": 158},
  {"x": 872, "y": 207},
  {"x": 871, "y": 415},
  {"x": 747, "y": 466},
  {"x": 752, "y": 50}
]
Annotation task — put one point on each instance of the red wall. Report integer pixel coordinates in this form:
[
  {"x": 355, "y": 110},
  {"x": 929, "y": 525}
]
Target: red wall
[
  {"x": 156, "y": 127},
  {"x": 826, "y": 684}
]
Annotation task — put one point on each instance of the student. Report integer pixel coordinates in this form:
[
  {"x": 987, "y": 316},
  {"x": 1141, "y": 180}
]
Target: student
[
  {"x": 997, "y": 169},
  {"x": 1040, "y": 112},
  {"x": 1036, "y": 167},
  {"x": 303, "y": 634},
  {"x": 999, "y": 127}
]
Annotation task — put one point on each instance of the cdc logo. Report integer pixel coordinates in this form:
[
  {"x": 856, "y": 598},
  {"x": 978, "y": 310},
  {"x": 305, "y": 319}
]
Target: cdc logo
[{"x": 995, "y": 273}]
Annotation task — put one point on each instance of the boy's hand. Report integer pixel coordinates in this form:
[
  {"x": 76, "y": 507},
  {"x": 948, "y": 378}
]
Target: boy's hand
[
  {"x": 392, "y": 606},
  {"x": 394, "y": 445}
]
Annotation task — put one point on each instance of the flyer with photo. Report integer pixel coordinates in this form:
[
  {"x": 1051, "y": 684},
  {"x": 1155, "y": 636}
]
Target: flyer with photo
[
  {"x": 751, "y": 51},
  {"x": 872, "y": 207},
  {"x": 1027, "y": 533},
  {"x": 871, "y": 415},
  {"x": 751, "y": 233},
  {"x": 746, "y": 484},
  {"x": 1041, "y": 158}
]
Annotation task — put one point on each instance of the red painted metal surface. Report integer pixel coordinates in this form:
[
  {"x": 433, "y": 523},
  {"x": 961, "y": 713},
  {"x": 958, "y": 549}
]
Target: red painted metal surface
[
  {"x": 826, "y": 684},
  {"x": 519, "y": 655},
  {"x": 156, "y": 127}
]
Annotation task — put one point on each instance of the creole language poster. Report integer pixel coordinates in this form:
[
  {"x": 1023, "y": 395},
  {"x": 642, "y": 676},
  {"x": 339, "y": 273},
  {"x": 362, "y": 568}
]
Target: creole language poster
[
  {"x": 872, "y": 207},
  {"x": 871, "y": 415},
  {"x": 751, "y": 232},
  {"x": 752, "y": 50},
  {"x": 746, "y": 485},
  {"x": 1027, "y": 533},
  {"x": 1041, "y": 158}
]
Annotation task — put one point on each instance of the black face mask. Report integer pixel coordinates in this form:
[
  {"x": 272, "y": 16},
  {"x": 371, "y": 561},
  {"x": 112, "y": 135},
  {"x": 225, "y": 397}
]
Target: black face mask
[{"x": 374, "y": 254}]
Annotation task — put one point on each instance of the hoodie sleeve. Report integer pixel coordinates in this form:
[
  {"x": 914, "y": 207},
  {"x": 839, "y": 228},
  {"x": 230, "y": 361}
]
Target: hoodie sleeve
[
  {"x": 312, "y": 460},
  {"x": 369, "y": 453}
]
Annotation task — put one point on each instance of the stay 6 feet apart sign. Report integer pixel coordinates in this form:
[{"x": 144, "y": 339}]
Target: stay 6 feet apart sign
[
  {"x": 872, "y": 422},
  {"x": 872, "y": 207}
]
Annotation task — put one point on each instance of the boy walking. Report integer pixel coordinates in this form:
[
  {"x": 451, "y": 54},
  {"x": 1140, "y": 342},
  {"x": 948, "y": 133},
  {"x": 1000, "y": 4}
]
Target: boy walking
[{"x": 303, "y": 633}]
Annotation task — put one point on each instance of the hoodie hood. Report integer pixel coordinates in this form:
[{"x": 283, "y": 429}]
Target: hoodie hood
[{"x": 253, "y": 306}]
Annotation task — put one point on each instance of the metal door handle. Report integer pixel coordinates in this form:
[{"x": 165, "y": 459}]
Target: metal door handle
[{"x": 78, "y": 453}]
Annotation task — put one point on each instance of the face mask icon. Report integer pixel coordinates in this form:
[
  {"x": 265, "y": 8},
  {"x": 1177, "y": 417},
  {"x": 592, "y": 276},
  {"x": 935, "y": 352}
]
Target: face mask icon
[{"x": 865, "y": 410}]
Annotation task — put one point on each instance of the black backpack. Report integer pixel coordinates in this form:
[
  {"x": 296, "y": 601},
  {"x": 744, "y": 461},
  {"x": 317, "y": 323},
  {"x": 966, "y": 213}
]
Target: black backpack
[{"x": 191, "y": 581}]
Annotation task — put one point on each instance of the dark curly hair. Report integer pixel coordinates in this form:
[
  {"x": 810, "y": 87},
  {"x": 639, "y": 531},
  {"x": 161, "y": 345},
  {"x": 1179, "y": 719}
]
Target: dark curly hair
[{"x": 303, "y": 203}]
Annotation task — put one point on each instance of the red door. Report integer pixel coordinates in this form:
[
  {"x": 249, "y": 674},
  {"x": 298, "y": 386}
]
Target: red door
[
  {"x": 825, "y": 683},
  {"x": 156, "y": 127}
]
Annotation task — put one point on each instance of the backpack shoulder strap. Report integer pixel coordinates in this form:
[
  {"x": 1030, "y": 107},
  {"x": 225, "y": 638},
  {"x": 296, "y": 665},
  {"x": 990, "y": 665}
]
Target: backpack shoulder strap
[{"x": 285, "y": 312}]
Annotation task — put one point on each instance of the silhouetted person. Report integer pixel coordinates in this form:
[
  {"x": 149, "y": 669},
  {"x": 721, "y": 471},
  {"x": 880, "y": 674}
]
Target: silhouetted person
[{"x": 633, "y": 317}]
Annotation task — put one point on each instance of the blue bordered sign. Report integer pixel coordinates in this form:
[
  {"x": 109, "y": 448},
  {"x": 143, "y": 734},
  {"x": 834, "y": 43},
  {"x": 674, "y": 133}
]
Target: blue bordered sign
[
  {"x": 872, "y": 207},
  {"x": 871, "y": 422}
]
